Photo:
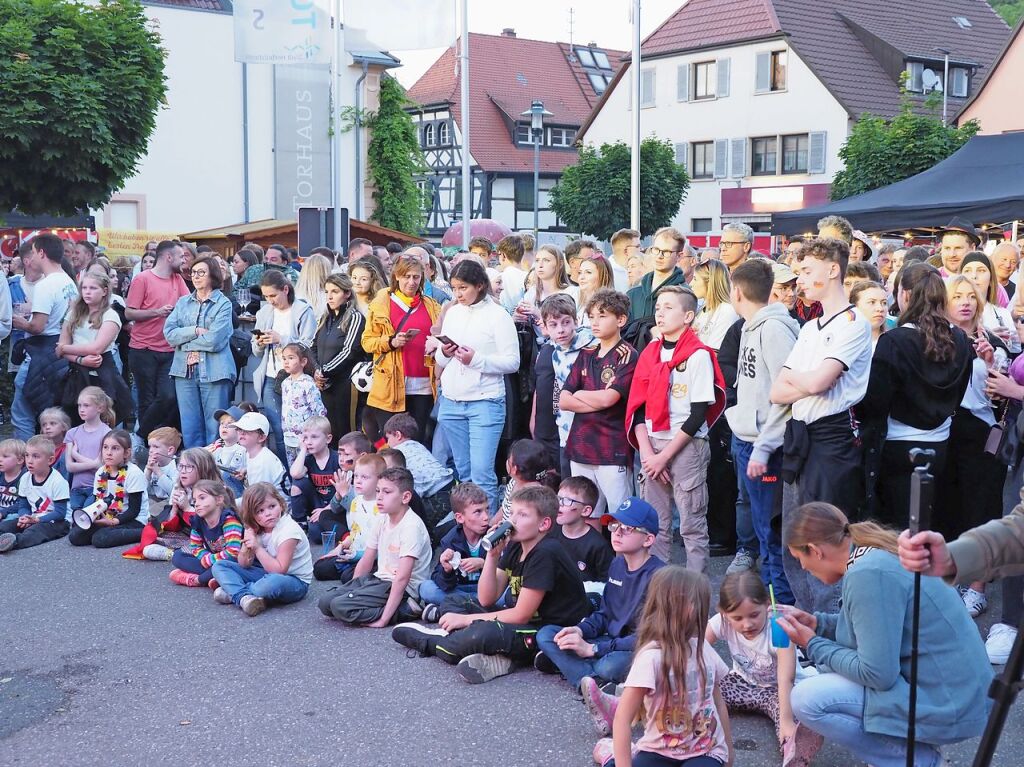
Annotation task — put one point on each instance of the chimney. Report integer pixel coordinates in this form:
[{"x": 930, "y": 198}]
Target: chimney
[{"x": 508, "y": 32}]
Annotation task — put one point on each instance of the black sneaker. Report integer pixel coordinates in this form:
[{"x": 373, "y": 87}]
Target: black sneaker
[
  {"x": 544, "y": 664},
  {"x": 417, "y": 637},
  {"x": 431, "y": 613}
]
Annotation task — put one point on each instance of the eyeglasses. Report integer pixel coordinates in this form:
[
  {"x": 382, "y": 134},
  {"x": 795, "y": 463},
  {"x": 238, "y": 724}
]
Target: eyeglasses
[
  {"x": 200, "y": 273},
  {"x": 658, "y": 252},
  {"x": 566, "y": 502},
  {"x": 185, "y": 467},
  {"x": 730, "y": 243},
  {"x": 614, "y": 527}
]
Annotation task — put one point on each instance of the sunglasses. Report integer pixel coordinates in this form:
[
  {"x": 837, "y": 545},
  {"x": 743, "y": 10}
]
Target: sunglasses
[{"x": 614, "y": 527}]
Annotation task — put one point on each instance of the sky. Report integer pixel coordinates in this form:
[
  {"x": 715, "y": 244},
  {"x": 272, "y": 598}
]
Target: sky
[{"x": 605, "y": 22}]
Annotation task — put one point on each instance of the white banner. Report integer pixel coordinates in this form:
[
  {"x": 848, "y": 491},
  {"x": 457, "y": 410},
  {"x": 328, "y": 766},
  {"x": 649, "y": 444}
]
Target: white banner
[
  {"x": 282, "y": 32},
  {"x": 398, "y": 25}
]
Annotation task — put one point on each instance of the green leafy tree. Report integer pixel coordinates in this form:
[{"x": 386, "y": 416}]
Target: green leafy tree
[
  {"x": 1010, "y": 10},
  {"x": 593, "y": 195},
  {"x": 880, "y": 152},
  {"x": 80, "y": 86},
  {"x": 394, "y": 158}
]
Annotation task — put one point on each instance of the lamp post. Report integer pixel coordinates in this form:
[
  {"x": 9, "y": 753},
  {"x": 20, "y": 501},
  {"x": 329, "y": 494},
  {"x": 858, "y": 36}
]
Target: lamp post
[
  {"x": 536, "y": 113},
  {"x": 945, "y": 81}
]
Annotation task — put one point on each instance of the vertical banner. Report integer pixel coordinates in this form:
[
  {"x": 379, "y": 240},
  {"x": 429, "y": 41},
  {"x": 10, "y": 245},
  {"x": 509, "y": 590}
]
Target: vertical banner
[
  {"x": 282, "y": 32},
  {"x": 302, "y": 155}
]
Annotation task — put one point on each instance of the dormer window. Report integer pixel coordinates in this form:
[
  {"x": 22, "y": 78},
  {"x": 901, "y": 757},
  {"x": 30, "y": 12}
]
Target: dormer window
[
  {"x": 927, "y": 77},
  {"x": 443, "y": 134},
  {"x": 428, "y": 135}
]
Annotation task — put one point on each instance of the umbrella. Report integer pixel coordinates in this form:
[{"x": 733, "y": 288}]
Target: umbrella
[{"x": 478, "y": 227}]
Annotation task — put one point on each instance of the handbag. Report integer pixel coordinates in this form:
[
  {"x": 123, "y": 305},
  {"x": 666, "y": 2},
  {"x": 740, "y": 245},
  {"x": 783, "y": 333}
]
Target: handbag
[
  {"x": 362, "y": 373},
  {"x": 1004, "y": 439}
]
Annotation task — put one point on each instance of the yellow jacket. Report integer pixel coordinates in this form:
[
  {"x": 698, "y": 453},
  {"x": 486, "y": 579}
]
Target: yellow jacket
[{"x": 388, "y": 389}]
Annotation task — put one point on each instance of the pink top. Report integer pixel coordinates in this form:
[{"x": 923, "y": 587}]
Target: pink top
[{"x": 150, "y": 291}]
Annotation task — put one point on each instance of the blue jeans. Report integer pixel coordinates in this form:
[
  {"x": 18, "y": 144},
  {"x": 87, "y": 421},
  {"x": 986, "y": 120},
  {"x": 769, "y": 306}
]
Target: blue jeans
[
  {"x": 272, "y": 410},
  {"x": 431, "y": 593},
  {"x": 197, "y": 402},
  {"x": 765, "y": 497},
  {"x": 833, "y": 706},
  {"x": 241, "y": 581},
  {"x": 79, "y": 499},
  {"x": 746, "y": 536},
  {"x": 23, "y": 417},
  {"x": 612, "y": 667},
  {"x": 473, "y": 430}
]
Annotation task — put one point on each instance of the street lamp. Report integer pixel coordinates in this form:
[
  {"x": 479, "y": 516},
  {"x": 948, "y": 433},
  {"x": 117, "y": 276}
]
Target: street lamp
[
  {"x": 536, "y": 113},
  {"x": 945, "y": 81}
]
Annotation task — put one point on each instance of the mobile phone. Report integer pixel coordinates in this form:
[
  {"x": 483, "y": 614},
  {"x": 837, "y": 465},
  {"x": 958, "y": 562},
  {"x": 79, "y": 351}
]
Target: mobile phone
[
  {"x": 412, "y": 332},
  {"x": 257, "y": 332},
  {"x": 446, "y": 340}
]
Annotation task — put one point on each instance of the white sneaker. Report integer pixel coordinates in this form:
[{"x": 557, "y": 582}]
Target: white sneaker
[
  {"x": 221, "y": 597},
  {"x": 742, "y": 562},
  {"x": 157, "y": 553},
  {"x": 976, "y": 602},
  {"x": 479, "y": 668},
  {"x": 999, "y": 643}
]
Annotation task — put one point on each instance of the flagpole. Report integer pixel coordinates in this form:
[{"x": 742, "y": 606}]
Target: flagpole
[
  {"x": 467, "y": 178},
  {"x": 336, "y": 133},
  {"x": 634, "y": 173}
]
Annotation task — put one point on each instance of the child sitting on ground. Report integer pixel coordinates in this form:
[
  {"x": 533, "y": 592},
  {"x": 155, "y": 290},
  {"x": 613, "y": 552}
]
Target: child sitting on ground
[
  {"x": 433, "y": 481},
  {"x": 274, "y": 563},
  {"x": 599, "y": 648},
  {"x": 12, "y": 467},
  {"x": 54, "y": 424},
  {"x": 121, "y": 486},
  {"x": 313, "y": 473},
  {"x": 395, "y": 459},
  {"x": 161, "y": 470},
  {"x": 82, "y": 457},
  {"x": 401, "y": 547},
  {"x": 544, "y": 588},
  {"x": 261, "y": 465},
  {"x": 229, "y": 455},
  {"x": 339, "y": 563},
  {"x": 676, "y": 678},
  {"x": 216, "y": 535},
  {"x": 462, "y": 556},
  {"x": 528, "y": 465},
  {"x": 39, "y": 515},
  {"x": 577, "y": 498}
]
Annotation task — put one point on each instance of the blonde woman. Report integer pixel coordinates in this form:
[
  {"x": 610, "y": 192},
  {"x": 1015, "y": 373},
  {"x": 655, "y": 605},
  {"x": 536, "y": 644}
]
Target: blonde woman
[
  {"x": 367, "y": 281},
  {"x": 552, "y": 277},
  {"x": 310, "y": 286},
  {"x": 711, "y": 284},
  {"x": 594, "y": 273},
  {"x": 977, "y": 267}
]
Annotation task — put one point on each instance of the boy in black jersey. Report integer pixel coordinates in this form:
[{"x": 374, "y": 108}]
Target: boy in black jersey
[
  {"x": 544, "y": 586},
  {"x": 577, "y": 497},
  {"x": 312, "y": 474}
]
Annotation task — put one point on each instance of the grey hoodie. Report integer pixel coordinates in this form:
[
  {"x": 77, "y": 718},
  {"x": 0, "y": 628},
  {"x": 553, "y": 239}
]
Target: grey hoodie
[{"x": 765, "y": 344}]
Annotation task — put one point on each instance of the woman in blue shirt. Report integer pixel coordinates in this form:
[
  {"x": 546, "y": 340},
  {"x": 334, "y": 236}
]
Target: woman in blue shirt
[
  {"x": 860, "y": 699},
  {"x": 199, "y": 329}
]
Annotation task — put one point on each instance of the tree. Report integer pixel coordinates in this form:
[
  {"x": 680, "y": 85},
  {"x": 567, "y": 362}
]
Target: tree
[
  {"x": 80, "y": 86},
  {"x": 1010, "y": 10},
  {"x": 394, "y": 158},
  {"x": 880, "y": 152},
  {"x": 593, "y": 195}
]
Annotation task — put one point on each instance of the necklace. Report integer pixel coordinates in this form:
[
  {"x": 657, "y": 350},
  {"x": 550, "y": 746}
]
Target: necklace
[{"x": 116, "y": 505}]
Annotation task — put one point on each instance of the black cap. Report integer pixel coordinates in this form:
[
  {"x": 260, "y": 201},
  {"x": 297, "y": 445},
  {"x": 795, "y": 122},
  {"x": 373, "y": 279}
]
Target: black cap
[{"x": 963, "y": 226}]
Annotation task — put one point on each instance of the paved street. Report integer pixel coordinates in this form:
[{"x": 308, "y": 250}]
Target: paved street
[{"x": 105, "y": 662}]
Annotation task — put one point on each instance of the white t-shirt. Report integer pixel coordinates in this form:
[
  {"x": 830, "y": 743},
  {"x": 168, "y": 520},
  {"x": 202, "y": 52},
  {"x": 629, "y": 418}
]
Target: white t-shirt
[
  {"x": 265, "y": 467},
  {"x": 694, "y": 383},
  {"x": 620, "y": 277},
  {"x": 845, "y": 337},
  {"x": 409, "y": 538},
  {"x": 513, "y": 286},
  {"x": 134, "y": 482},
  {"x": 286, "y": 529},
  {"x": 362, "y": 517},
  {"x": 753, "y": 659},
  {"x": 85, "y": 333},
  {"x": 54, "y": 487},
  {"x": 711, "y": 327},
  {"x": 53, "y": 294},
  {"x": 283, "y": 326},
  {"x": 231, "y": 457}
]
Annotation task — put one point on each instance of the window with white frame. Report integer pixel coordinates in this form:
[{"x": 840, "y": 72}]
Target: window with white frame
[
  {"x": 428, "y": 135},
  {"x": 704, "y": 77},
  {"x": 444, "y": 134},
  {"x": 561, "y": 137},
  {"x": 524, "y": 134}
]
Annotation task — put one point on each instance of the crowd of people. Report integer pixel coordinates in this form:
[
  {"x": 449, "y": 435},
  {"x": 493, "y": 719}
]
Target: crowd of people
[{"x": 500, "y": 454}]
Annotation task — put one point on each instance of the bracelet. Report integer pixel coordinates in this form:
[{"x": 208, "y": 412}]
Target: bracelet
[{"x": 79, "y": 360}]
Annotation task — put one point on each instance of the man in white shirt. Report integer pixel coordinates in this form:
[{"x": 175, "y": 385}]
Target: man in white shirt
[
  {"x": 625, "y": 244},
  {"x": 52, "y": 296}
]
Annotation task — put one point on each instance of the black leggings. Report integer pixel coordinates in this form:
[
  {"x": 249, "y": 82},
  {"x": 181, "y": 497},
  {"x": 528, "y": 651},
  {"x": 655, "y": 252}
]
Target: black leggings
[
  {"x": 33, "y": 535},
  {"x": 893, "y": 488},
  {"x": 418, "y": 406},
  {"x": 648, "y": 759},
  {"x": 107, "y": 537}
]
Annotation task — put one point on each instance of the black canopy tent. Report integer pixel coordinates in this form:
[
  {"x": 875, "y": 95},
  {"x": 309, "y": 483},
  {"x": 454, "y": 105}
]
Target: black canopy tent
[{"x": 983, "y": 182}]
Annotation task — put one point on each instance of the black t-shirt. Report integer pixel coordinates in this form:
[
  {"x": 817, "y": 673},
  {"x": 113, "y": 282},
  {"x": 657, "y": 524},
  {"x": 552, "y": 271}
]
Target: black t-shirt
[
  {"x": 9, "y": 493},
  {"x": 591, "y": 553},
  {"x": 323, "y": 478},
  {"x": 545, "y": 428},
  {"x": 546, "y": 568}
]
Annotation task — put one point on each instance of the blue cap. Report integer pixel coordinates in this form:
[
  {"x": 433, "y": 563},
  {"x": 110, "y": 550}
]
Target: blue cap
[
  {"x": 635, "y": 512},
  {"x": 235, "y": 413}
]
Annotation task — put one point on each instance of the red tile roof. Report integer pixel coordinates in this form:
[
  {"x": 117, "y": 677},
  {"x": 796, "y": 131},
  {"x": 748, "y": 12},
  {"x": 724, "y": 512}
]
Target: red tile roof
[
  {"x": 506, "y": 75},
  {"x": 823, "y": 35}
]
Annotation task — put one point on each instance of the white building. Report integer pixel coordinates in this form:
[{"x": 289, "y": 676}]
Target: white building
[
  {"x": 237, "y": 142},
  {"x": 758, "y": 96}
]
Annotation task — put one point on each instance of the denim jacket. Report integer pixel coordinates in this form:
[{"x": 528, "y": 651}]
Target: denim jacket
[{"x": 214, "y": 314}]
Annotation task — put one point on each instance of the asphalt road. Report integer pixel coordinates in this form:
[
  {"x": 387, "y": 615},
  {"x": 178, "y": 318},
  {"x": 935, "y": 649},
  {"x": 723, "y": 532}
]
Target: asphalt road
[{"x": 104, "y": 662}]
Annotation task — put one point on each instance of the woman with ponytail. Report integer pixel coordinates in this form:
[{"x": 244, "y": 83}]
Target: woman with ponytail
[
  {"x": 860, "y": 700},
  {"x": 919, "y": 373}
]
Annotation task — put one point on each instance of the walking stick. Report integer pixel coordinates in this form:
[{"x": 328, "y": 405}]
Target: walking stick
[{"x": 921, "y": 487}]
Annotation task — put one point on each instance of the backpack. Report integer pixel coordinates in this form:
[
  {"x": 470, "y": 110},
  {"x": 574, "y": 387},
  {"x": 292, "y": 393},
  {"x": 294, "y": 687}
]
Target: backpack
[{"x": 637, "y": 333}]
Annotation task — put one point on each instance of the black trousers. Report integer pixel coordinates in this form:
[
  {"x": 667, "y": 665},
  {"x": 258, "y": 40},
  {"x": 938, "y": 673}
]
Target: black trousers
[
  {"x": 722, "y": 487},
  {"x": 152, "y": 372},
  {"x": 333, "y": 569},
  {"x": 338, "y": 401},
  {"x": 416, "y": 405},
  {"x": 893, "y": 483},
  {"x": 969, "y": 491},
  {"x": 41, "y": 532},
  {"x": 518, "y": 642},
  {"x": 107, "y": 537}
]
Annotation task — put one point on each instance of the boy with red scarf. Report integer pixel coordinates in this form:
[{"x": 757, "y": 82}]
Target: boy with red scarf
[{"x": 678, "y": 393}]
